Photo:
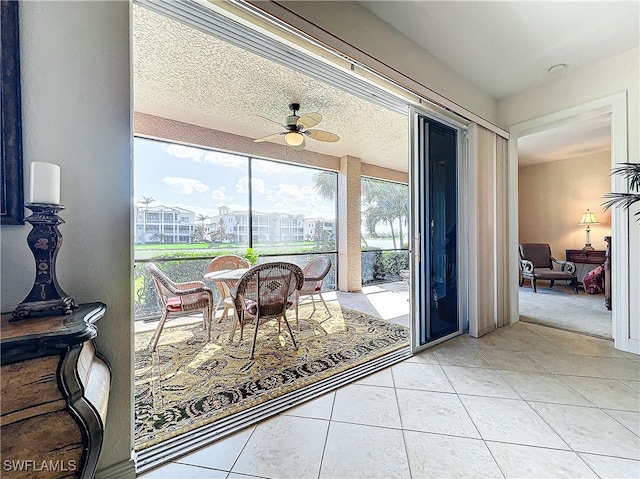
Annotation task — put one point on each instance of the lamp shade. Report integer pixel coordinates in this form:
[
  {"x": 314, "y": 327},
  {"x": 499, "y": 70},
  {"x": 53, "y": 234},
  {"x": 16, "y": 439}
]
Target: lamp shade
[
  {"x": 588, "y": 219},
  {"x": 293, "y": 138}
]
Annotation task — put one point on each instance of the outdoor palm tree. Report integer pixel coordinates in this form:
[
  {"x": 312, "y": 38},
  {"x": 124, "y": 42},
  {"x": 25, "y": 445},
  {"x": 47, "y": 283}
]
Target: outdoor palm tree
[
  {"x": 387, "y": 203},
  {"x": 383, "y": 201},
  {"x": 325, "y": 184},
  {"x": 630, "y": 171},
  {"x": 147, "y": 200},
  {"x": 202, "y": 231}
]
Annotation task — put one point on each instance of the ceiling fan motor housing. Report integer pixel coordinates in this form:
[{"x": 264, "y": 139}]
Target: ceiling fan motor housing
[{"x": 292, "y": 121}]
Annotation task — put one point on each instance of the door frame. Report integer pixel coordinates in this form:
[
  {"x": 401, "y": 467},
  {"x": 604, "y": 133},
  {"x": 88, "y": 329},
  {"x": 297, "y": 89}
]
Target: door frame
[{"x": 616, "y": 106}]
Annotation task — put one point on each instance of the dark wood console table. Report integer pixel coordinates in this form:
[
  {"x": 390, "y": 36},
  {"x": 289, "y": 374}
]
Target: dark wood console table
[
  {"x": 595, "y": 257},
  {"x": 55, "y": 390},
  {"x": 586, "y": 257}
]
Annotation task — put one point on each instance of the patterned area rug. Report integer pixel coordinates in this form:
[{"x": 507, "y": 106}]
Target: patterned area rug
[{"x": 189, "y": 382}]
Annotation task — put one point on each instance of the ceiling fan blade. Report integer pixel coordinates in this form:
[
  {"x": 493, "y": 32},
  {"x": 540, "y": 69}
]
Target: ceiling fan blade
[
  {"x": 309, "y": 120},
  {"x": 268, "y": 137},
  {"x": 272, "y": 121},
  {"x": 300, "y": 146},
  {"x": 322, "y": 135}
]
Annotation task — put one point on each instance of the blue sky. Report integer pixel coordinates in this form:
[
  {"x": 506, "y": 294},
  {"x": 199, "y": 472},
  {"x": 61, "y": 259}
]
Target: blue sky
[{"x": 203, "y": 180}]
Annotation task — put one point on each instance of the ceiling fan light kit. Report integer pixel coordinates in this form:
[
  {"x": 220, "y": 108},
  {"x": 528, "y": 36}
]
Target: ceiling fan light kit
[
  {"x": 297, "y": 127},
  {"x": 293, "y": 138}
]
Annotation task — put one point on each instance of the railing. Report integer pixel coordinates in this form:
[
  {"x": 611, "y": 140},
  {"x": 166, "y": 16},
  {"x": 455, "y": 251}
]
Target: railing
[
  {"x": 182, "y": 269},
  {"x": 383, "y": 265}
]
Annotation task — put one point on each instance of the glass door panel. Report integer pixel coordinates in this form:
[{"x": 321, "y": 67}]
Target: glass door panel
[{"x": 435, "y": 231}]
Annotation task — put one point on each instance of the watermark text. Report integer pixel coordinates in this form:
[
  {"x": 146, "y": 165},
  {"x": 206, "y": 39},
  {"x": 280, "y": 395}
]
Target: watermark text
[{"x": 34, "y": 465}]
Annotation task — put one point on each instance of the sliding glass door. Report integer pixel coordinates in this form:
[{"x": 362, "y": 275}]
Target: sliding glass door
[{"x": 435, "y": 231}]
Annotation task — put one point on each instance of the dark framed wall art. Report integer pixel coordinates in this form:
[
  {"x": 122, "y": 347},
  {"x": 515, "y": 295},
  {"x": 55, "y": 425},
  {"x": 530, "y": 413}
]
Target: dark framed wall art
[{"x": 11, "y": 181}]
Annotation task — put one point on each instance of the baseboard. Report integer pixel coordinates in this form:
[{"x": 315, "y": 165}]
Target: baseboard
[
  {"x": 121, "y": 470},
  {"x": 630, "y": 345}
]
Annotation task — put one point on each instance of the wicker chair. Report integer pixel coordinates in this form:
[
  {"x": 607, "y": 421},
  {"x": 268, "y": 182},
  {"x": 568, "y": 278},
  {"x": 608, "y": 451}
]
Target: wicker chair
[
  {"x": 229, "y": 261},
  {"x": 264, "y": 293},
  {"x": 537, "y": 263},
  {"x": 314, "y": 274},
  {"x": 178, "y": 299}
]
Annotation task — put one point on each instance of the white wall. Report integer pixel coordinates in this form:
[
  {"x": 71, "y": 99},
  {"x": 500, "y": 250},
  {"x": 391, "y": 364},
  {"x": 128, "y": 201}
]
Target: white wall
[
  {"x": 76, "y": 113},
  {"x": 617, "y": 74},
  {"x": 573, "y": 183}
]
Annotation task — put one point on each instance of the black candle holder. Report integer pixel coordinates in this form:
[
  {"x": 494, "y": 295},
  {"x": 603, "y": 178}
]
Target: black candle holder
[{"x": 46, "y": 297}]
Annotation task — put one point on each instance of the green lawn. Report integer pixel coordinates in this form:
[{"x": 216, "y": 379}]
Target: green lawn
[
  {"x": 148, "y": 251},
  {"x": 187, "y": 246}
]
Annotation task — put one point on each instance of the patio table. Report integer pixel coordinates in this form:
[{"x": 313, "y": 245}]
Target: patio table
[{"x": 231, "y": 276}]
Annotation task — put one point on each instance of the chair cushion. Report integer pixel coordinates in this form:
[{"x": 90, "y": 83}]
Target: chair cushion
[
  {"x": 187, "y": 302},
  {"x": 266, "y": 308},
  {"x": 544, "y": 273},
  {"x": 174, "y": 304}
]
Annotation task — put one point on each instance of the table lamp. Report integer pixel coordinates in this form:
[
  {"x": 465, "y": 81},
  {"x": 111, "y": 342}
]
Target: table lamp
[{"x": 588, "y": 219}]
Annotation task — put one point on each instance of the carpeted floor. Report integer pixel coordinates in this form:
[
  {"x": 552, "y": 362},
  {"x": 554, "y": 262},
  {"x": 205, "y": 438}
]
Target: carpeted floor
[
  {"x": 562, "y": 308},
  {"x": 188, "y": 382}
]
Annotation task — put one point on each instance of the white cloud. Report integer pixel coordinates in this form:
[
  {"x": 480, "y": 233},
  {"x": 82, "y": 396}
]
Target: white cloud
[
  {"x": 181, "y": 151},
  {"x": 184, "y": 186},
  {"x": 205, "y": 156},
  {"x": 218, "y": 193},
  {"x": 224, "y": 159},
  {"x": 256, "y": 183},
  {"x": 293, "y": 199}
]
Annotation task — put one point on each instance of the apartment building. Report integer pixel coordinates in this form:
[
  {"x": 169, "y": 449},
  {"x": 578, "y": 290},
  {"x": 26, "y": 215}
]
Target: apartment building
[
  {"x": 163, "y": 224},
  {"x": 266, "y": 227}
]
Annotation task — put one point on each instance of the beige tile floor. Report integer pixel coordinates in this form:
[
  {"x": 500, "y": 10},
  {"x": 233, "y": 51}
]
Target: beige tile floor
[{"x": 523, "y": 401}]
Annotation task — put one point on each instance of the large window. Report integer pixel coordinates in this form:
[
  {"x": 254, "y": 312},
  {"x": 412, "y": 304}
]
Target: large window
[
  {"x": 385, "y": 211},
  {"x": 287, "y": 208},
  {"x": 290, "y": 213}
]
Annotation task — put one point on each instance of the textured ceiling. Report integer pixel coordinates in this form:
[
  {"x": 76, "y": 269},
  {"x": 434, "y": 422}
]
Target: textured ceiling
[
  {"x": 186, "y": 75},
  {"x": 183, "y": 74}
]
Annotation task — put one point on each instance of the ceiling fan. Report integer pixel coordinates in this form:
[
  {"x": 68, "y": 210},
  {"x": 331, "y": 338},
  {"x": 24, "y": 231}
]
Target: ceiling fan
[{"x": 297, "y": 127}]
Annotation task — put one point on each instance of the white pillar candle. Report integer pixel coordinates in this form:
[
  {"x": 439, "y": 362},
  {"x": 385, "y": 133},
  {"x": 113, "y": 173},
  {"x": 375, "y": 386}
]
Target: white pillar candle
[{"x": 45, "y": 183}]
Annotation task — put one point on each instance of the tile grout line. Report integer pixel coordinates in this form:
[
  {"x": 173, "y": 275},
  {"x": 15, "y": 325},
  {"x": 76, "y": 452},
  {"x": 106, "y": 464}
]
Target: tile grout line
[
  {"x": 326, "y": 437},
  {"x": 484, "y": 442},
  {"x": 402, "y": 429}
]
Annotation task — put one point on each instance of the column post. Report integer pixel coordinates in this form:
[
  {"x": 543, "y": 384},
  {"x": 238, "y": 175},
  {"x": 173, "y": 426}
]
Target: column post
[{"x": 349, "y": 211}]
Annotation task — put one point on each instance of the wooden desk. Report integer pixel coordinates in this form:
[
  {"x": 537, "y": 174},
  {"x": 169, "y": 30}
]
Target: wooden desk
[{"x": 55, "y": 390}]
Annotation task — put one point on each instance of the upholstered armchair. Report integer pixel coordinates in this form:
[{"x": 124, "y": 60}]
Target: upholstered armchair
[{"x": 536, "y": 262}]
